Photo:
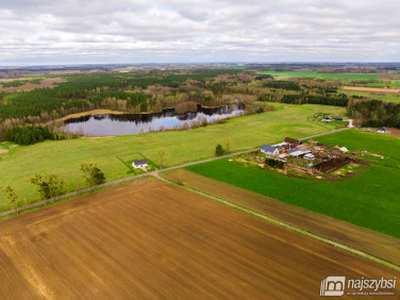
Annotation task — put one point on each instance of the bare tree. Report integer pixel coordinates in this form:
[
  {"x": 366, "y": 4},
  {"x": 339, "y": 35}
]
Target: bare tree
[
  {"x": 162, "y": 154},
  {"x": 227, "y": 144},
  {"x": 12, "y": 197}
]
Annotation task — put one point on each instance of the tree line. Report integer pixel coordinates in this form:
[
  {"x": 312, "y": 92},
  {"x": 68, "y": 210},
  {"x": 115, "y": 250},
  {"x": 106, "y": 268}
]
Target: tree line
[
  {"x": 374, "y": 113},
  {"x": 50, "y": 185}
]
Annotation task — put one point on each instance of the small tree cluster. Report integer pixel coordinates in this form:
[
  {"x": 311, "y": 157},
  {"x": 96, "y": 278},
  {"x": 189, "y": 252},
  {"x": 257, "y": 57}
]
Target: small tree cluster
[
  {"x": 274, "y": 163},
  {"x": 92, "y": 174},
  {"x": 29, "y": 135},
  {"x": 48, "y": 186}
]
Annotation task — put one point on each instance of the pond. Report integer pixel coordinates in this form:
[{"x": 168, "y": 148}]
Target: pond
[{"x": 124, "y": 124}]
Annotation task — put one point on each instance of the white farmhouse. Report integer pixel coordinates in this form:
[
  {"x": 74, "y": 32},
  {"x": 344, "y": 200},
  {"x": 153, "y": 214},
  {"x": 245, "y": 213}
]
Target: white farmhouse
[
  {"x": 269, "y": 150},
  {"x": 141, "y": 163}
]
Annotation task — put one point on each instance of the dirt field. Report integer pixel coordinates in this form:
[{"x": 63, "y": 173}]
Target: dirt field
[
  {"x": 334, "y": 164},
  {"x": 394, "y": 131},
  {"x": 46, "y": 83},
  {"x": 389, "y": 76},
  {"x": 370, "y": 89},
  {"x": 371, "y": 242},
  {"x": 149, "y": 240}
]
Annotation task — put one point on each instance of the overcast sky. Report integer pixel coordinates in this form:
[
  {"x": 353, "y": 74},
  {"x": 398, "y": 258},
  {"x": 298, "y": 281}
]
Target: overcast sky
[{"x": 34, "y": 32}]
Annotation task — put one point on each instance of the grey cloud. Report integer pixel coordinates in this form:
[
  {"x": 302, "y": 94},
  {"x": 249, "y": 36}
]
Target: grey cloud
[{"x": 174, "y": 30}]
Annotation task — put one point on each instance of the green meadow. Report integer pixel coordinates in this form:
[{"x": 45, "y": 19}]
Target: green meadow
[
  {"x": 379, "y": 96},
  {"x": 331, "y": 76},
  {"x": 65, "y": 157},
  {"x": 370, "y": 200}
]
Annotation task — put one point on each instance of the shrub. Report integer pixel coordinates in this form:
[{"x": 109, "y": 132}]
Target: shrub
[{"x": 219, "y": 150}]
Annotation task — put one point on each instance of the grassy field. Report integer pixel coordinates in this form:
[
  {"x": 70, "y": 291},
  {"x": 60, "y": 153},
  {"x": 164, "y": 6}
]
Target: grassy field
[
  {"x": 65, "y": 157},
  {"x": 267, "y": 183},
  {"x": 331, "y": 76},
  {"x": 369, "y": 200},
  {"x": 379, "y": 96}
]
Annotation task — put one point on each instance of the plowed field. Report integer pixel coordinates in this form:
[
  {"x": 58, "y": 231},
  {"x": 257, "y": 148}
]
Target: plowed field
[
  {"x": 371, "y": 89},
  {"x": 149, "y": 240}
]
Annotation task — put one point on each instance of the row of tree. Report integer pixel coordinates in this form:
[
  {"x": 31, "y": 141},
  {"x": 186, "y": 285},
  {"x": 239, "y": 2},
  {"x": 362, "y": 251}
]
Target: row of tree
[
  {"x": 374, "y": 113},
  {"x": 49, "y": 186}
]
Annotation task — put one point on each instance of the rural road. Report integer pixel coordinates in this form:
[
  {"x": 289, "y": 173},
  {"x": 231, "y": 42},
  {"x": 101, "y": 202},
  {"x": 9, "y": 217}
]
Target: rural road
[{"x": 153, "y": 173}]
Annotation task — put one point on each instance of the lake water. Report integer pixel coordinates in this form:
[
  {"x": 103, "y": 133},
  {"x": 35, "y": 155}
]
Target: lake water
[{"x": 111, "y": 124}]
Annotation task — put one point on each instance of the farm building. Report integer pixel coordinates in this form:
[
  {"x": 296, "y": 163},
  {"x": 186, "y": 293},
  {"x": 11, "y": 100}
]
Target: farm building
[
  {"x": 269, "y": 150},
  {"x": 280, "y": 145},
  {"x": 338, "y": 118},
  {"x": 382, "y": 130},
  {"x": 309, "y": 156},
  {"x": 326, "y": 119},
  {"x": 293, "y": 142},
  {"x": 141, "y": 163},
  {"x": 296, "y": 152}
]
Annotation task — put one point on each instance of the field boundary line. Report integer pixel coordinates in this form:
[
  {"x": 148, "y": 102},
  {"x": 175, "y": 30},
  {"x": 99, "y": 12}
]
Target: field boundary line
[{"x": 285, "y": 225}]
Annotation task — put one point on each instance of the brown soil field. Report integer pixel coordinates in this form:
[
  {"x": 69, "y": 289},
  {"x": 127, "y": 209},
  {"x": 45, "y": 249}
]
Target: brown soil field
[
  {"x": 394, "y": 131},
  {"x": 370, "y": 89},
  {"x": 334, "y": 164},
  {"x": 389, "y": 76},
  {"x": 368, "y": 241},
  {"x": 150, "y": 240},
  {"x": 46, "y": 83}
]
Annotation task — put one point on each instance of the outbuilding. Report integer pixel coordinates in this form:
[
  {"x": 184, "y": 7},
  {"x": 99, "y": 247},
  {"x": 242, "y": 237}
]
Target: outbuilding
[
  {"x": 292, "y": 142},
  {"x": 309, "y": 156},
  {"x": 382, "y": 130},
  {"x": 141, "y": 163},
  {"x": 296, "y": 152}
]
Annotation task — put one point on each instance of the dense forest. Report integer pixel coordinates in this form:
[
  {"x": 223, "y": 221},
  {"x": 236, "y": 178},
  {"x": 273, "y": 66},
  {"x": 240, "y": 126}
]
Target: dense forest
[
  {"x": 155, "y": 89},
  {"x": 374, "y": 113}
]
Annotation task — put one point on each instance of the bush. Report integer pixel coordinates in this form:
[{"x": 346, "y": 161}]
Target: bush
[
  {"x": 219, "y": 150},
  {"x": 274, "y": 163},
  {"x": 92, "y": 174},
  {"x": 185, "y": 107}
]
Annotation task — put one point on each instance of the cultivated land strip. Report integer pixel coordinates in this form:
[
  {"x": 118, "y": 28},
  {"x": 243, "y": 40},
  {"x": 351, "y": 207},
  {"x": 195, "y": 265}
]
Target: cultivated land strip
[
  {"x": 151, "y": 240},
  {"x": 76, "y": 193},
  {"x": 323, "y": 228}
]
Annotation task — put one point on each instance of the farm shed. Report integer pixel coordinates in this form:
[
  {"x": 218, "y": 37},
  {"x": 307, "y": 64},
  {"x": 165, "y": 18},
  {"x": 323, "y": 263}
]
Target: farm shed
[
  {"x": 382, "y": 130},
  {"x": 326, "y": 119},
  {"x": 338, "y": 118},
  {"x": 293, "y": 142},
  {"x": 296, "y": 152},
  {"x": 141, "y": 163},
  {"x": 309, "y": 156},
  {"x": 269, "y": 150},
  {"x": 280, "y": 145}
]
